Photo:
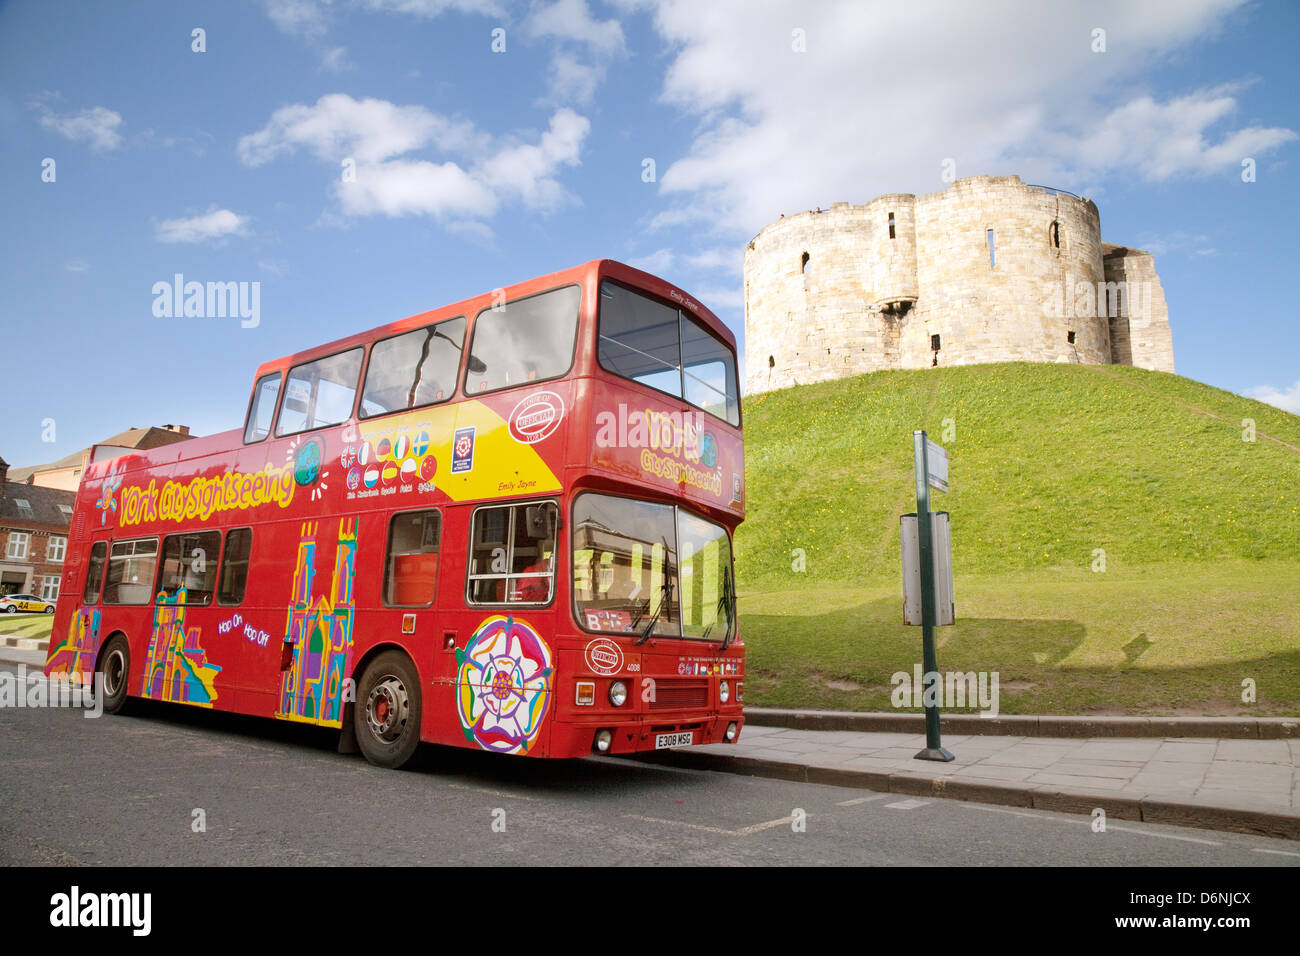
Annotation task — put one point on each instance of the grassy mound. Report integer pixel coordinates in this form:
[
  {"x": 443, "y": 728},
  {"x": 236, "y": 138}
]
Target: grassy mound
[{"x": 1119, "y": 545}]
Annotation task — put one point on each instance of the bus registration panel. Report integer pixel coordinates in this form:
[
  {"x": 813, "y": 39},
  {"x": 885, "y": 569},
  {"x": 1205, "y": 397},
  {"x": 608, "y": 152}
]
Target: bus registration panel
[{"x": 674, "y": 740}]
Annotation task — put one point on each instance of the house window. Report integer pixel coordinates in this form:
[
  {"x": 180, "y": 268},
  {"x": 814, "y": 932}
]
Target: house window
[
  {"x": 66, "y": 509},
  {"x": 55, "y": 548},
  {"x": 50, "y": 589},
  {"x": 17, "y": 549},
  {"x": 891, "y": 225},
  {"x": 24, "y": 508}
]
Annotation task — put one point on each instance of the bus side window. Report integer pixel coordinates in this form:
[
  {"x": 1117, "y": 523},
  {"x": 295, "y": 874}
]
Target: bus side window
[
  {"x": 189, "y": 561},
  {"x": 411, "y": 564},
  {"x": 512, "y": 554},
  {"x": 131, "y": 566},
  {"x": 95, "y": 573},
  {"x": 234, "y": 566}
]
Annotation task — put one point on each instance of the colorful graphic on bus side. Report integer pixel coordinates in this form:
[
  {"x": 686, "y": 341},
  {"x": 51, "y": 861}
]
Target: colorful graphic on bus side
[
  {"x": 73, "y": 658},
  {"x": 311, "y": 690},
  {"x": 176, "y": 667},
  {"x": 504, "y": 686}
]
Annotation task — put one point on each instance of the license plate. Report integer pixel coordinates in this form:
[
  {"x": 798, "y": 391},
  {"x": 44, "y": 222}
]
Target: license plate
[{"x": 673, "y": 740}]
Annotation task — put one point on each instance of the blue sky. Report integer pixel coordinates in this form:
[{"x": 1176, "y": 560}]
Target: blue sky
[{"x": 477, "y": 168}]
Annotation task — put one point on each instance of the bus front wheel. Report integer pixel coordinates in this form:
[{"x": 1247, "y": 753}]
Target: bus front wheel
[
  {"x": 386, "y": 714},
  {"x": 112, "y": 668}
]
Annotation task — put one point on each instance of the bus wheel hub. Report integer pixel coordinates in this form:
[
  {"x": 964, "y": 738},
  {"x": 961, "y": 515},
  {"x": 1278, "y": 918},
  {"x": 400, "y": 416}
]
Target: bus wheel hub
[{"x": 387, "y": 709}]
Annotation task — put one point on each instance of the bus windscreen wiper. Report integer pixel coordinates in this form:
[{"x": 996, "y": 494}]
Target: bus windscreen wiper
[
  {"x": 729, "y": 597},
  {"x": 665, "y": 595}
]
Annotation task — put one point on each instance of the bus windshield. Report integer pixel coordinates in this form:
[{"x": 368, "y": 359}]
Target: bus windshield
[
  {"x": 665, "y": 348},
  {"x": 635, "y": 562}
]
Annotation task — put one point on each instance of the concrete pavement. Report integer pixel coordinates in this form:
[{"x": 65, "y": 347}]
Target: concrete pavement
[{"x": 1246, "y": 786}]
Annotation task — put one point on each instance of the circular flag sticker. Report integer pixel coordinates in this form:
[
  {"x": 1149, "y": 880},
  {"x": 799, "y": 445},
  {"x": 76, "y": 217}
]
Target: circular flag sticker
[
  {"x": 408, "y": 470},
  {"x": 420, "y": 445},
  {"x": 365, "y": 453},
  {"x": 385, "y": 446},
  {"x": 401, "y": 447},
  {"x": 371, "y": 476},
  {"x": 428, "y": 468},
  {"x": 354, "y": 479},
  {"x": 389, "y": 472}
]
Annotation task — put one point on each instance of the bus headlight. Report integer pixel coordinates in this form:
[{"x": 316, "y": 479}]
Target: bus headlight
[
  {"x": 724, "y": 692},
  {"x": 731, "y": 731},
  {"x": 618, "y": 693},
  {"x": 603, "y": 739}
]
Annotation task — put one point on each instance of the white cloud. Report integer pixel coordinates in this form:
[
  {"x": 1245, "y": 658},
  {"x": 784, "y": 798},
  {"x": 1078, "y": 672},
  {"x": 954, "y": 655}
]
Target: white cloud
[
  {"x": 572, "y": 20},
  {"x": 336, "y": 60},
  {"x": 469, "y": 181},
  {"x": 304, "y": 18},
  {"x": 77, "y": 265},
  {"x": 583, "y": 47},
  {"x": 97, "y": 125},
  {"x": 429, "y": 9},
  {"x": 657, "y": 262},
  {"x": 1286, "y": 399},
  {"x": 885, "y": 92},
  {"x": 338, "y": 127},
  {"x": 403, "y": 187},
  {"x": 213, "y": 224}
]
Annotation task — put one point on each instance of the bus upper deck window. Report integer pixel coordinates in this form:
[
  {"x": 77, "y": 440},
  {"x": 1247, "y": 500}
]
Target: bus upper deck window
[
  {"x": 320, "y": 393},
  {"x": 263, "y": 408},
  {"x": 527, "y": 340},
  {"x": 415, "y": 368}
]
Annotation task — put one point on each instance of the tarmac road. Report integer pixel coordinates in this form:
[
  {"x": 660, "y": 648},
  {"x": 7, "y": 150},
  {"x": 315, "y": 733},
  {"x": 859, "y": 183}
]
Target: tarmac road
[{"x": 133, "y": 790}]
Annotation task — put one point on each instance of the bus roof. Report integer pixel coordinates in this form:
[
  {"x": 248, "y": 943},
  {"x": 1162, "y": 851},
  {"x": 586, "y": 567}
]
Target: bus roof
[{"x": 593, "y": 271}]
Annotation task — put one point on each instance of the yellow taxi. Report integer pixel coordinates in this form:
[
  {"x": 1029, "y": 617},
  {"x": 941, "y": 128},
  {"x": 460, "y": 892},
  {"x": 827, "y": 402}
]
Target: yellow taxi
[{"x": 13, "y": 603}]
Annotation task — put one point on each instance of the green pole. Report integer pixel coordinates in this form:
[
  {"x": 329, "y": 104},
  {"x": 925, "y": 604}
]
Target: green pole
[{"x": 933, "y": 748}]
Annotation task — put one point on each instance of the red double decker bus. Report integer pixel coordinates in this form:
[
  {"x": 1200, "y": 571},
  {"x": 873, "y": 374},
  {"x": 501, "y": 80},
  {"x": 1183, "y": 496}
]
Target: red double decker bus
[{"x": 504, "y": 524}]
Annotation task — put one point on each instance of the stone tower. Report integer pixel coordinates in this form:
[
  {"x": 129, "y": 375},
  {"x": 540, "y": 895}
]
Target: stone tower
[{"x": 988, "y": 270}]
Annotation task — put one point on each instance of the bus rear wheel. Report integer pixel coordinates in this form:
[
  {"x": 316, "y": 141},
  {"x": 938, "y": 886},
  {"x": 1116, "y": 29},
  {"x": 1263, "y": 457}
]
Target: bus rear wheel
[
  {"x": 386, "y": 715},
  {"x": 113, "y": 668}
]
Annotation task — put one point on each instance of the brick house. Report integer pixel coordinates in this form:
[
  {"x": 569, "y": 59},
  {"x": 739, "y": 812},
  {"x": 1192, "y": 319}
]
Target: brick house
[{"x": 34, "y": 523}]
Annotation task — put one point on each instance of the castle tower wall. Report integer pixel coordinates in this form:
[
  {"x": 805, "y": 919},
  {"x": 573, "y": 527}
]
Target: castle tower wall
[
  {"x": 831, "y": 293},
  {"x": 1012, "y": 306},
  {"x": 1139, "y": 315}
]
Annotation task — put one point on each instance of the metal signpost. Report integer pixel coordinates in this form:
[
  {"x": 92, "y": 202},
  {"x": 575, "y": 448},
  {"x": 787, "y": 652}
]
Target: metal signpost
[{"x": 931, "y": 469}]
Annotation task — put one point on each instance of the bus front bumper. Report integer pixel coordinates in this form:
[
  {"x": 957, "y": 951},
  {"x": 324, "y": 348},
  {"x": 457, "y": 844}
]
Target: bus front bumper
[{"x": 580, "y": 739}]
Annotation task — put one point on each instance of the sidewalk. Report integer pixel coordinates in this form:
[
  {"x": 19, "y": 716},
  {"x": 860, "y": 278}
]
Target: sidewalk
[{"x": 1247, "y": 786}]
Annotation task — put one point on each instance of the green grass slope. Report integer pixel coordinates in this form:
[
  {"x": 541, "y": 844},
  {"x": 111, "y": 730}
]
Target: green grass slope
[{"x": 1050, "y": 465}]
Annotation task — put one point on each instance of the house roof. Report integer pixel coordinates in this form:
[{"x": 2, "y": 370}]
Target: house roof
[
  {"x": 139, "y": 438},
  {"x": 42, "y": 504}
]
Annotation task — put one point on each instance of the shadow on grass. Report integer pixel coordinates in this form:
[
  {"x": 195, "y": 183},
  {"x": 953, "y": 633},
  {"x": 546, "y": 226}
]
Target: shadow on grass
[{"x": 843, "y": 660}]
